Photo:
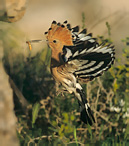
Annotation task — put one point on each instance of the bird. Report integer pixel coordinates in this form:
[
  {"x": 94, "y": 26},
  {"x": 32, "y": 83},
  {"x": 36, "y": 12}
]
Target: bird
[{"x": 76, "y": 59}]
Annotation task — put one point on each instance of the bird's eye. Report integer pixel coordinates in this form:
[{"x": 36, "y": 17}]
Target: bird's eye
[{"x": 54, "y": 41}]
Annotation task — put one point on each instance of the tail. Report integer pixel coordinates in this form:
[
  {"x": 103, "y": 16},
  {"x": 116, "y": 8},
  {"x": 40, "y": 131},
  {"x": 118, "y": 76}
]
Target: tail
[{"x": 86, "y": 113}]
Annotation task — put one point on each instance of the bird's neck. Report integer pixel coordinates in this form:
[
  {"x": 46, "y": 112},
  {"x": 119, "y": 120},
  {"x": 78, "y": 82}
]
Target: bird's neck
[{"x": 56, "y": 58}]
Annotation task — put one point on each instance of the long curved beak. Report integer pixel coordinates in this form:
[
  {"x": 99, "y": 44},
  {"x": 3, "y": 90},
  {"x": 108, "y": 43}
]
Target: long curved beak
[{"x": 33, "y": 41}]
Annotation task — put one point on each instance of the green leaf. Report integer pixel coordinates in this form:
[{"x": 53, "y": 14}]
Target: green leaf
[
  {"x": 90, "y": 131},
  {"x": 126, "y": 136},
  {"x": 109, "y": 28},
  {"x": 35, "y": 111},
  {"x": 100, "y": 133},
  {"x": 75, "y": 136}
]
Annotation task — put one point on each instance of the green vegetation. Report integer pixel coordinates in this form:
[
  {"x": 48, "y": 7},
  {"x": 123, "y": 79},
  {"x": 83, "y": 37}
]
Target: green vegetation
[{"x": 52, "y": 119}]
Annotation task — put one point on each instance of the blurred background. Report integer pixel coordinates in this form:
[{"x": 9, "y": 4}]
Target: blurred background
[
  {"x": 40, "y": 14},
  {"x": 31, "y": 112}
]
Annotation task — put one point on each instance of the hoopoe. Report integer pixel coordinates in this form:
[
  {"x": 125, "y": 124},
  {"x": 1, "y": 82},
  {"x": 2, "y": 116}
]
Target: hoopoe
[{"x": 77, "y": 57}]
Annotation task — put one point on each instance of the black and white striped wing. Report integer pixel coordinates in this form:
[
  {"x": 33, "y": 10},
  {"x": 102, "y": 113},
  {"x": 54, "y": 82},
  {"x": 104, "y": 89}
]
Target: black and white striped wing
[{"x": 88, "y": 57}]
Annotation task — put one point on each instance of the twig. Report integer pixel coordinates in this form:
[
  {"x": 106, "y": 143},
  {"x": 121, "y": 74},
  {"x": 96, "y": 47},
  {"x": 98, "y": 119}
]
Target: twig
[
  {"x": 20, "y": 96},
  {"x": 75, "y": 142},
  {"x": 101, "y": 86},
  {"x": 96, "y": 103},
  {"x": 88, "y": 90},
  {"x": 101, "y": 20},
  {"x": 110, "y": 96},
  {"x": 104, "y": 118},
  {"x": 38, "y": 138}
]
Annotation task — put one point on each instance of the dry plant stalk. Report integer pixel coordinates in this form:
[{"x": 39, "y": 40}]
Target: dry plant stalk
[{"x": 100, "y": 105}]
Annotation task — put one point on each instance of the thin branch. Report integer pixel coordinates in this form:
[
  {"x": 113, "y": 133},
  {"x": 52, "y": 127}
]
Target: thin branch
[
  {"x": 19, "y": 94},
  {"x": 101, "y": 86},
  {"x": 88, "y": 90},
  {"x": 103, "y": 19},
  {"x": 75, "y": 143},
  {"x": 104, "y": 118},
  {"x": 96, "y": 103},
  {"x": 42, "y": 137}
]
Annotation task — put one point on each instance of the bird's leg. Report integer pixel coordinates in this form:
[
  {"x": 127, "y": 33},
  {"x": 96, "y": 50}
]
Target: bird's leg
[{"x": 60, "y": 91}]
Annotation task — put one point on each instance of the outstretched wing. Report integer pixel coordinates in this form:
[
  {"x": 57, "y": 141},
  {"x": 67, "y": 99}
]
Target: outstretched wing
[{"x": 87, "y": 59}]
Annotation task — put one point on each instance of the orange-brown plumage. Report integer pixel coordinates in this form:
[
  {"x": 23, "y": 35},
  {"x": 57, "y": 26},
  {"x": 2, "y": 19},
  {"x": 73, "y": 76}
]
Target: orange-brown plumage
[
  {"x": 62, "y": 36},
  {"x": 77, "y": 56}
]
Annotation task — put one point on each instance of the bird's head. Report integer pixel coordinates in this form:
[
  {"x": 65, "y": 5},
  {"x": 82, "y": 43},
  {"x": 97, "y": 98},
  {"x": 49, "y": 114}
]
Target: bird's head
[{"x": 58, "y": 35}]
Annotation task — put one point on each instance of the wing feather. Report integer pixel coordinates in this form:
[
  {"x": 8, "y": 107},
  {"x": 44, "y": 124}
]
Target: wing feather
[{"x": 88, "y": 57}]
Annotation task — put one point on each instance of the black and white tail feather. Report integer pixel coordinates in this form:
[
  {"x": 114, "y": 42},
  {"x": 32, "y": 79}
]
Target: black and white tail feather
[
  {"x": 86, "y": 113},
  {"x": 89, "y": 59}
]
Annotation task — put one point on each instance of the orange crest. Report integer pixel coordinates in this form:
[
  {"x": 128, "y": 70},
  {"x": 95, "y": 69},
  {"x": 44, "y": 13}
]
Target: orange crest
[{"x": 59, "y": 35}]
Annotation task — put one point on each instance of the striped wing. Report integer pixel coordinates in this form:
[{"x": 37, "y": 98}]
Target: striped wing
[{"x": 87, "y": 59}]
